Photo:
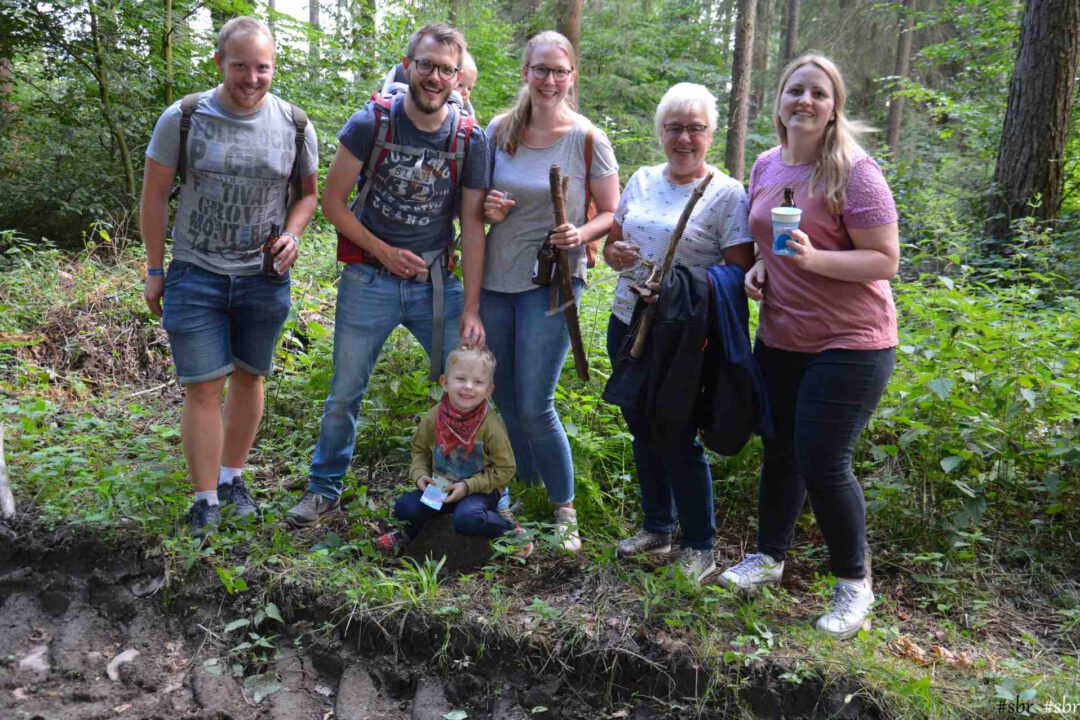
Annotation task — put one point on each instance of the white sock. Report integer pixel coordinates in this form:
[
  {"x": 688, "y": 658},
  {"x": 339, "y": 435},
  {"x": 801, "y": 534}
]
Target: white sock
[
  {"x": 228, "y": 474},
  {"x": 209, "y": 496},
  {"x": 859, "y": 584}
]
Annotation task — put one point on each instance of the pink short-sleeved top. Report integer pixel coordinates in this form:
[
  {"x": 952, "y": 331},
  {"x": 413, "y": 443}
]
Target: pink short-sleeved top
[{"x": 804, "y": 311}]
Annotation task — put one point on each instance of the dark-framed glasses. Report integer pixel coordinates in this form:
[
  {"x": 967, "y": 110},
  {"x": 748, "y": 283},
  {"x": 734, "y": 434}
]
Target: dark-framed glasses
[
  {"x": 425, "y": 67},
  {"x": 674, "y": 129},
  {"x": 541, "y": 72}
]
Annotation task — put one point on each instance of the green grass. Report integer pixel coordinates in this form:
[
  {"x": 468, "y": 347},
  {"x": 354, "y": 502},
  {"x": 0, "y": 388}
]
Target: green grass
[{"x": 970, "y": 467}]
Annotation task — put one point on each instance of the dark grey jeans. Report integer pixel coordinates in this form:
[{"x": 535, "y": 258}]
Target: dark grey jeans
[{"x": 821, "y": 402}]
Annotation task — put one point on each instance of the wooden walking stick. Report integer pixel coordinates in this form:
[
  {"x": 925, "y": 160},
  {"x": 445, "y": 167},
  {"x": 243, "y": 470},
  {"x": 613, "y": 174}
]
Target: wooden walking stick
[
  {"x": 564, "y": 280},
  {"x": 647, "y": 315}
]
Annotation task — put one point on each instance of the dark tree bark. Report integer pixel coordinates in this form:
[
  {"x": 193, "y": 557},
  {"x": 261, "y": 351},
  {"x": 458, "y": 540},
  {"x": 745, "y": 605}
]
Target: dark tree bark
[
  {"x": 900, "y": 71},
  {"x": 105, "y": 95},
  {"x": 760, "y": 62},
  {"x": 791, "y": 30},
  {"x": 167, "y": 53},
  {"x": 1030, "y": 157},
  {"x": 6, "y": 106},
  {"x": 314, "y": 54},
  {"x": 568, "y": 22},
  {"x": 738, "y": 110}
]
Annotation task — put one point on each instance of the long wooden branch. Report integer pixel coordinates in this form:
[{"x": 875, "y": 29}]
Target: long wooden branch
[
  {"x": 563, "y": 275},
  {"x": 647, "y": 316}
]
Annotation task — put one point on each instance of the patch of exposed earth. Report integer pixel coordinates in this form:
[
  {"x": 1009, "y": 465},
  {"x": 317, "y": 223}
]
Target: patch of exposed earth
[{"x": 86, "y": 633}]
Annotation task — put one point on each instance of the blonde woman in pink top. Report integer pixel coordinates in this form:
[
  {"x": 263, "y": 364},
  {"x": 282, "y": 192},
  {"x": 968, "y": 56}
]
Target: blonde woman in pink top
[{"x": 827, "y": 331}]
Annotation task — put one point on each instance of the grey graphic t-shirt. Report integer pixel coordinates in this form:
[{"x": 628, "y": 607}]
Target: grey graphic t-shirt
[
  {"x": 411, "y": 201},
  {"x": 237, "y": 179}
]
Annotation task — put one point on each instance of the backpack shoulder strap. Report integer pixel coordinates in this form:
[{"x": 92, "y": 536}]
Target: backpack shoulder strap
[
  {"x": 384, "y": 135},
  {"x": 589, "y": 136},
  {"x": 187, "y": 109},
  {"x": 460, "y": 135},
  {"x": 300, "y": 122}
]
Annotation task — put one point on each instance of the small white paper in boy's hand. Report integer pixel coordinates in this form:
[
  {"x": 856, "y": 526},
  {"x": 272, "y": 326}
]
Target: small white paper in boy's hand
[
  {"x": 433, "y": 497},
  {"x": 440, "y": 482}
]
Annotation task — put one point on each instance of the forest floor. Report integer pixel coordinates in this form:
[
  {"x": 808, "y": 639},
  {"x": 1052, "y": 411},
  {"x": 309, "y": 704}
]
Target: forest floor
[{"x": 261, "y": 622}]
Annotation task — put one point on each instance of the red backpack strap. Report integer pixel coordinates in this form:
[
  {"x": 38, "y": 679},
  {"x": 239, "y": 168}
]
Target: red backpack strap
[
  {"x": 461, "y": 133},
  {"x": 347, "y": 252}
]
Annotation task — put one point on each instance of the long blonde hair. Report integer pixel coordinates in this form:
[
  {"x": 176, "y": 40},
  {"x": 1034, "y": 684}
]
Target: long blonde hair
[
  {"x": 833, "y": 165},
  {"x": 510, "y": 132}
]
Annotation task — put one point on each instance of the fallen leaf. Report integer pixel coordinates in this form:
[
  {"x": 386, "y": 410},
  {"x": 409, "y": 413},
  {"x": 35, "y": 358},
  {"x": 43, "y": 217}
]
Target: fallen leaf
[
  {"x": 260, "y": 686},
  {"x": 906, "y": 647},
  {"x": 122, "y": 708}
]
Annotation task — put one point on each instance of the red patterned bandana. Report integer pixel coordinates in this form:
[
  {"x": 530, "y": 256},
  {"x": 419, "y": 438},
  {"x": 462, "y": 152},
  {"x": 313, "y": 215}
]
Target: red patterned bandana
[{"x": 454, "y": 428}]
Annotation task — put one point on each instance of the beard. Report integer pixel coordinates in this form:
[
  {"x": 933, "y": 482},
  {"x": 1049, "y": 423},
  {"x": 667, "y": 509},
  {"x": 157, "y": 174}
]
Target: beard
[{"x": 420, "y": 99}]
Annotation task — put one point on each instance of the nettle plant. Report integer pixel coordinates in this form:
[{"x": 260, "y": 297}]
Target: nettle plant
[{"x": 978, "y": 427}]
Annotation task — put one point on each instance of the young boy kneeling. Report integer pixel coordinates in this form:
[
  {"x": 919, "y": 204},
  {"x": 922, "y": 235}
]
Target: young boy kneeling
[{"x": 462, "y": 451}]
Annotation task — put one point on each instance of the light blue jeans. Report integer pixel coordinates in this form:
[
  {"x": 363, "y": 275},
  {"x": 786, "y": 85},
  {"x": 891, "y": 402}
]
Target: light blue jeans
[
  {"x": 530, "y": 347},
  {"x": 370, "y": 304}
]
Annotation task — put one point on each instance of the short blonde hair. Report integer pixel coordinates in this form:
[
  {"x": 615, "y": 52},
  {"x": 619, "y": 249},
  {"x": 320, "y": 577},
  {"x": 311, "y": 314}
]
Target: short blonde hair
[
  {"x": 463, "y": 353},
  {"x": 685, "y": 97},
  {"x": 243, "y": 27},
  {"x": 468, "y": 65}
]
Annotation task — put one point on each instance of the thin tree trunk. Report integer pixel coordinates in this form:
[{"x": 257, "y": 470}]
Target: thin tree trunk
[
  {"x": 568, "y": 22},
  {"x": 167, "y": 52},
  {"x": 791, "y": 30},
  {"x": 314, "y": 55},
  {"x": 271, "y": 8},
  {"x": 6, "y": 106},
  {"x": 117, "y": 130},
  {"x": 900, "y": 71},
  {"x": 1030, "y": 159},
  {"x": 455, "y": 11},
  {"x": 738, "y": 110},
  {"x": 760, "y": 62}
]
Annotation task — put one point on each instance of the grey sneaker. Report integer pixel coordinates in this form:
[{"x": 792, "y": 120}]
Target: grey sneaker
[
  {"x": 505, "y": 511},
  {"x": 566, "y": 529},
  {"x": 203, "y": 518},
  {"x": 694, "y": 564},
  {"x": 849, "y": 611},
  {"x": 644, "y": 541},
  {"x": 236, "y": 494},
  {"x": 310, "y": 508},
  {"x": 755, "y": 569}
]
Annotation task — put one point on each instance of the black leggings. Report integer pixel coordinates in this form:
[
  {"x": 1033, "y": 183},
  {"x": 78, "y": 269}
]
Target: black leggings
[{"x": 820, "y": 402}]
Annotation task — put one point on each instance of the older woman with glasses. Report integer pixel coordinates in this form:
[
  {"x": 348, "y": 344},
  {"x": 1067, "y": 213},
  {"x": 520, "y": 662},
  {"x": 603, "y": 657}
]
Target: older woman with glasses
[
  {"x": 530, "y": 343},
  {"x": 674, "y": 479}
]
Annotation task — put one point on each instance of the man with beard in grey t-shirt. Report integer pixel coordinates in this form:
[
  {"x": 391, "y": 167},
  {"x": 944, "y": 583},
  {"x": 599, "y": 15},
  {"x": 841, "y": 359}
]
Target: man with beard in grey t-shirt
[{"x": 223, "y": 306}]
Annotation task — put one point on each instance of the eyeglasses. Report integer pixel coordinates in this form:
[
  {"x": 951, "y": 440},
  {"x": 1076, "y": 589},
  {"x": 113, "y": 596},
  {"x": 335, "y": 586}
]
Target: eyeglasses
[
  {"x": 540, "y": 72},
  {"x": 425, "y": 67},
  {"x": 693, "y": 129}
]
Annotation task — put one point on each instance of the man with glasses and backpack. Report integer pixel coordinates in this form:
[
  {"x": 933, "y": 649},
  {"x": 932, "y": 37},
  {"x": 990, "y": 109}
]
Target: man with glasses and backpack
[
  {"x": 414, "y": 156},
  {"x": 247, "y": 162}
]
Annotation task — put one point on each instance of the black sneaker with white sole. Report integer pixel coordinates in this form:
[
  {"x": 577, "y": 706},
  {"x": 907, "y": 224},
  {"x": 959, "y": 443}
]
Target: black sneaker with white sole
[{"x": 237, "y": 494}]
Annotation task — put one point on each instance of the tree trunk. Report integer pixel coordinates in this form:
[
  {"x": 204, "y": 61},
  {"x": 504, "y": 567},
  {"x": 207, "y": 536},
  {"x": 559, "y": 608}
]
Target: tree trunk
[
  {"x": 568, "y": 22},
  {"x": 6, "y": 106},
  {"x": 455, "y": 11},
  {"x": 105, "y": 95},
  {"x": 738, "y": 111},
  {"x": 900, "y": 71},
  {"x": 313, "y": 40},
  {"x": 271, "y": 8},
  {"x": 760, "y": 62},
  {"x": 167, "y": 52},
  {"x": 1030, "y": 157},
  {"x": 791, "y": 30}
]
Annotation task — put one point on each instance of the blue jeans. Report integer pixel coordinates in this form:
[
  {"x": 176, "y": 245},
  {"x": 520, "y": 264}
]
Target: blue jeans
[
  {"x": 217, "y": 323},
  {"x": 820, "y": 402},
  {"x": 530, "y": 347},
  {"x": 473, "y": 514},
  {"x": 370, "y": 304},
  {"x": 674, "y": 476}
]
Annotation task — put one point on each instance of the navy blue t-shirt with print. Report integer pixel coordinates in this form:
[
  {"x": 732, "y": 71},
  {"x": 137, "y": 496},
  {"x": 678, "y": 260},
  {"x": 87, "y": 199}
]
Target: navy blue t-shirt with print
[{"x": 411, "y": 201}]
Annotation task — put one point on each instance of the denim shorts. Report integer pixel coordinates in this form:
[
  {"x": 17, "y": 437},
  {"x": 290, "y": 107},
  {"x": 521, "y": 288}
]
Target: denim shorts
[{"x": 217, "y": 323}]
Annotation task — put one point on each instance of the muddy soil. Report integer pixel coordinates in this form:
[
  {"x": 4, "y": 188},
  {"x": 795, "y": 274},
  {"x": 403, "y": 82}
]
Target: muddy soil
[{"x": 89, "y": 629}]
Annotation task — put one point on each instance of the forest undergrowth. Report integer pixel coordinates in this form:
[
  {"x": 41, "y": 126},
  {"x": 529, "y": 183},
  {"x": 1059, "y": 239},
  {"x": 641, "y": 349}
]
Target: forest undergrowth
[{"x": 970, "y": 468}]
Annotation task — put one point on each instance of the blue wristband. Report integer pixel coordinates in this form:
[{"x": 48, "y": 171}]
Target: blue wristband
[{"x": 155, "y": 272}]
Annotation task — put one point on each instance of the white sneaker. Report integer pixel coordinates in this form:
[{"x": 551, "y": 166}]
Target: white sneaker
[
  {"x": 754, "y": 570},
  {"x": 567, "y": 529},
  {"x": 849, "y": 610}
]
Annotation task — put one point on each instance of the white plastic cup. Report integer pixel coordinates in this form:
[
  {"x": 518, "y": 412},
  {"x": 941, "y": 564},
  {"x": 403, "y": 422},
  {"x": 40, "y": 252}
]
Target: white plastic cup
[{"x": 784, "y": 221}]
